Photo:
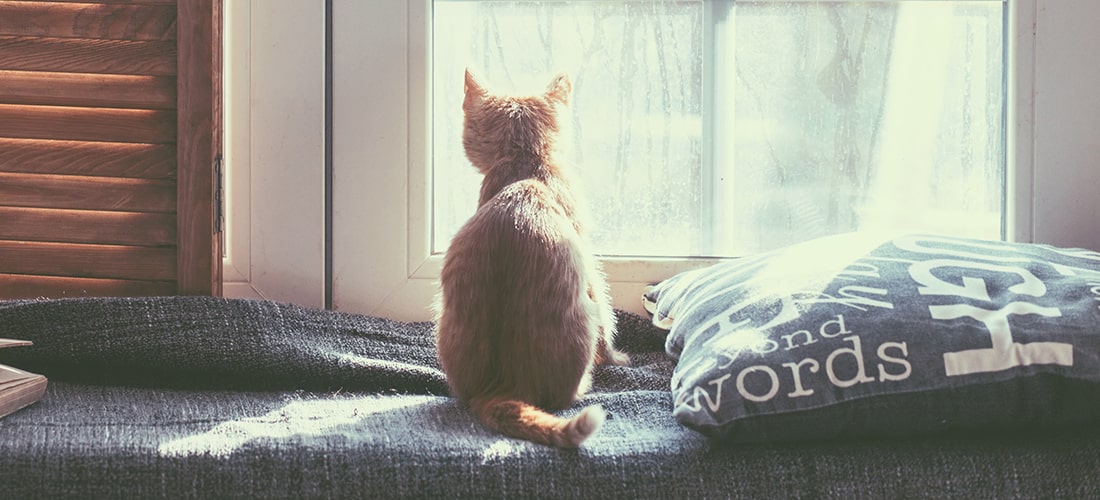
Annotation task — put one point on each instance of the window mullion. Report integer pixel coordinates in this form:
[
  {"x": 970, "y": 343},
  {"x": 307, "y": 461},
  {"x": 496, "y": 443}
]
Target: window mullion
[{"x": 716, "y": 193}]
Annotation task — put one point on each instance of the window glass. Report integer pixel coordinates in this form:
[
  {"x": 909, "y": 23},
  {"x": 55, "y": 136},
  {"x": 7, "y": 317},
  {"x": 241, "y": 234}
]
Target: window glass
[{"x": 711, "y": 128}]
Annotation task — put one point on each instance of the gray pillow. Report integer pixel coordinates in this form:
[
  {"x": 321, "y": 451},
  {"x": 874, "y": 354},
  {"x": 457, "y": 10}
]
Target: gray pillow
[{"x": 864, "y": 335}]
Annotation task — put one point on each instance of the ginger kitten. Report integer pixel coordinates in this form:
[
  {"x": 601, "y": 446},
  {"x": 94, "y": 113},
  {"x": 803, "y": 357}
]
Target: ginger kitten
[{"x": 524, "y": 311}]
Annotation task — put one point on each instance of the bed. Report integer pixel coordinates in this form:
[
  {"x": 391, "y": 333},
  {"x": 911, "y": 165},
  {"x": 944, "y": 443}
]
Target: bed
[{"x": 188, "y": 397}]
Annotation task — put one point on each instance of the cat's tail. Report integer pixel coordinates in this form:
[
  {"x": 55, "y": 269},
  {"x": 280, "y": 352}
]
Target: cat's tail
[{"x": 525, "y": 421}]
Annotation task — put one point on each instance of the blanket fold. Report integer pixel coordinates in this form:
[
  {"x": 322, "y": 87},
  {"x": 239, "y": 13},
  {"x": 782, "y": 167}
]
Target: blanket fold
[{"x": 215, "y": 343}]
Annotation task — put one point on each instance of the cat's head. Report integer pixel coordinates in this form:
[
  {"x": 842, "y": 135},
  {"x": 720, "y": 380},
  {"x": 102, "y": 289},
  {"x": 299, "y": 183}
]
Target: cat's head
[{"x": 514, "y": 131}]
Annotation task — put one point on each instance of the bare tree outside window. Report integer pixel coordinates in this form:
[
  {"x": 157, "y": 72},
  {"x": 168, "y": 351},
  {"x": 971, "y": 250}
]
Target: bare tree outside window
[{"x": 714, "y": 128}]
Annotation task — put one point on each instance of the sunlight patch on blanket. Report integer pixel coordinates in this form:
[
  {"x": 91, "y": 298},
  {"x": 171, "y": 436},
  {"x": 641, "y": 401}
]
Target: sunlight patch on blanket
[
  {"x": 499, "y": 450},
  {"x": 382, "y": 364},
  {"x": 298, "y": 417}
]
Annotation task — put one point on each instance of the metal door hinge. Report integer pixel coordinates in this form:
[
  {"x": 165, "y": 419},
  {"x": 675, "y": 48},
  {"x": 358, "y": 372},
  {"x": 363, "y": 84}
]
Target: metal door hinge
[{"x": 219, "y": 194}]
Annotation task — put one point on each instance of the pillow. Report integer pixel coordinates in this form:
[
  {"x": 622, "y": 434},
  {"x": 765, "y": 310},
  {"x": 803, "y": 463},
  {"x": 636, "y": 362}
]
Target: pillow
[{"x": 864, "y": 335}]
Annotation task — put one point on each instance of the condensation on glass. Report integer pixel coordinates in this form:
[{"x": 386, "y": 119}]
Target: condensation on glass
[{"x": 714, "y": 128}]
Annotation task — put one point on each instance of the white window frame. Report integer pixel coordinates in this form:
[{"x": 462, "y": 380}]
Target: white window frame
[
  {"x": 380, "y": 243},
  {"x": 398, "y": 279}
]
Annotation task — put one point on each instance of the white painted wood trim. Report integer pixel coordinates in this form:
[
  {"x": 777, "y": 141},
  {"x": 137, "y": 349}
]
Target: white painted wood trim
[
  {"x": 1020, "y": 119},
  {"x": 275, "y": 98},
  {"x": 419, "y": 136},
  {"x": 236, "y": 99},
  {"x": 377, "y": 162}
]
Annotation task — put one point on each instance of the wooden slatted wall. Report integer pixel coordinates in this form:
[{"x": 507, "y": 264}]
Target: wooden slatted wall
[{"x": 100, "y": 192}]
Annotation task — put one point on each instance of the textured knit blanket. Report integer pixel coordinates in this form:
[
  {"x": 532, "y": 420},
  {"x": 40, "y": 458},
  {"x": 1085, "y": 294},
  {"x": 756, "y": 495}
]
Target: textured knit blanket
[{"x": 204, "y": 397}]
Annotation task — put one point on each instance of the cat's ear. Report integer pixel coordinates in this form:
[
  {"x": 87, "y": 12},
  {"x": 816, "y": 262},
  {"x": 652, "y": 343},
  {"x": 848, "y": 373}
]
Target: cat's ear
[
  {"x": 560, "y": 89},
  {"x": 475, "y": 92}
]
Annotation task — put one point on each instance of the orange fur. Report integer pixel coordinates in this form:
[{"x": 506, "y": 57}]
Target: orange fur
[{"x": 524, "y": 311}]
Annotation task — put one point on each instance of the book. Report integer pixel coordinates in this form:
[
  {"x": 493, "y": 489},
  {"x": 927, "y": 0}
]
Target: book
[{"x": 18, "y": 388}]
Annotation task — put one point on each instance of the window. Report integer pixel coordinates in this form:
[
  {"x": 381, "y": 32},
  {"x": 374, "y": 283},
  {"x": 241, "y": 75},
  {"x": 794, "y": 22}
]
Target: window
[
  {"x": 719, "y": 128},
  {"x": 381, "y": 134}
]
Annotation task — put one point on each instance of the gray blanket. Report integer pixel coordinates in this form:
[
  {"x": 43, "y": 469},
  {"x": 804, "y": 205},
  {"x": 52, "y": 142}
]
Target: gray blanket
[{"x": 202, "y": 397}]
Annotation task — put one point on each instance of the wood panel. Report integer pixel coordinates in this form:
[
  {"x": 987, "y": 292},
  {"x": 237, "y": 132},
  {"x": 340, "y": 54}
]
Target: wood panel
[
  {"x": 81, "y": 226},
  {"x": 87, "y": 90},
  {"x": 69, "y": 55},
  {"x": 107, "y": 159},
  {"x": 120, "y": 2},
  {"x": 87, "y": 193},
  {"x": 19, "y": 121},
  {"x": 200, "y": 260},
  {"x": 87, "y": 261},
  {"x": 17, "y": 286},
  {"x": 105, "y": 189},
  {"x": 102, "y": 21}
]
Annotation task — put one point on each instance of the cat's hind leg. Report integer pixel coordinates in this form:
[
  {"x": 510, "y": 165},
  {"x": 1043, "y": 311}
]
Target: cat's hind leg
[{"x": 606, "y": 354}]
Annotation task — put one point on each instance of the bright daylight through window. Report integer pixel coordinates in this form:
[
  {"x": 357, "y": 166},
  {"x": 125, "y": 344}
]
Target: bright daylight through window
[{"x": 717, "y": 128}]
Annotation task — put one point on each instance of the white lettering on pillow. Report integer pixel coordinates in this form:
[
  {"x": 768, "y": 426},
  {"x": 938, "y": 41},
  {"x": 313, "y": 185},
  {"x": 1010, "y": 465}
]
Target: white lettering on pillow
[{"x": 1005, "y": 353}]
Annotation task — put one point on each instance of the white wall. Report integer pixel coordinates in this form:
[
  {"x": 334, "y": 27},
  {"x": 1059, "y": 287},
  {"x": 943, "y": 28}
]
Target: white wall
[{"x": 1067, "y": 124}]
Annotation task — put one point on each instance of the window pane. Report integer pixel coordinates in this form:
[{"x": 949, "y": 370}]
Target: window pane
[
  {"x": 849, "y": 115},
  {"x": 704, "y": 128},
  {"x": 636, "y": 69}
]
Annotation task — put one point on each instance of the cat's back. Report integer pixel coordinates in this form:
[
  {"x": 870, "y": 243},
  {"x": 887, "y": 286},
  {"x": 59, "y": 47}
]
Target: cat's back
[
  {"x": 512, "y": 288},
  {"x": 522, "y": 225}
]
